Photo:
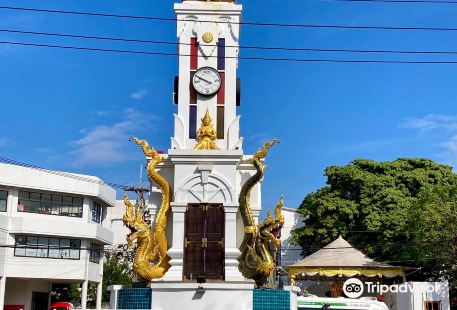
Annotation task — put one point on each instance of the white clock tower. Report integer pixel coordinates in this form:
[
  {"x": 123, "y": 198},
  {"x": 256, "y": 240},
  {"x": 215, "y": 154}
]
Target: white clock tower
[
  {"x": 208, "y": 33},
  {"x": 205, "y": 166}
]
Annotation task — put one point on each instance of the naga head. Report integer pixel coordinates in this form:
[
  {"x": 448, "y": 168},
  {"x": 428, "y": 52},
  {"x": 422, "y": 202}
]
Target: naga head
[
  {"x": 148, "y": 151},
  {"x": 270, "y": 229},
  {"x": 263, "y": 152},
  {"x": 134, "y": 221}
]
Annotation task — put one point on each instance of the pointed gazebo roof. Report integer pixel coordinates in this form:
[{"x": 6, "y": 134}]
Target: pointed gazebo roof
[{"x": 340, "y": 259}]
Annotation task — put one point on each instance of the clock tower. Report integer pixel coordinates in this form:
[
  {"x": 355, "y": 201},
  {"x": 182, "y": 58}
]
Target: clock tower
[
  {"x": 205, "y": 166},
  {"x": 208, "y": 34}
]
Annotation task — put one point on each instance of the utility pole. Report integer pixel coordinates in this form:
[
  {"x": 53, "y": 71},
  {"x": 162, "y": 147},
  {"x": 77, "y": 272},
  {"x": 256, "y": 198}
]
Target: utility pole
[{"x": 140, "y": 189}]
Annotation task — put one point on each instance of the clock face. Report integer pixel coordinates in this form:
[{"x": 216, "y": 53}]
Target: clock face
[{"x": 207, "y": 81}]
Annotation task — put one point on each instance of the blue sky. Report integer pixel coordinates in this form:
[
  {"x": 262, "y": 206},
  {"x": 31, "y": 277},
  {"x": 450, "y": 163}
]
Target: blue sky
[{"x": 74, "y": 110}]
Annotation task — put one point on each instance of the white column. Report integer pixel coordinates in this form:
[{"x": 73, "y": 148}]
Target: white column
[
  {"x": 99, "y": 296},
  {"x": 98, "y": 300},
  {"x": 176, "y": 252},
  {"x": 114, "y": 293},
  {"x": 2, "y": 291},
  {"x": 84, "y": 294},
  {"x": 231, "y": 251},
  {"x": 294, "y": 290}
]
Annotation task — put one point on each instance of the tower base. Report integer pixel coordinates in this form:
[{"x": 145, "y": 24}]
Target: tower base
[{"x": 205, "y": 296}]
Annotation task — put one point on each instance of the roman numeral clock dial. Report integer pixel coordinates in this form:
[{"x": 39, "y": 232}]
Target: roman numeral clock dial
[{"x": 207, "y": 81}]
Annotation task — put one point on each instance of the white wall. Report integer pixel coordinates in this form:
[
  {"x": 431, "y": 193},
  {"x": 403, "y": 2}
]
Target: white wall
[
  {"x": 117, "y": 225},
  {"x": 290, "y": 253},
  {"x": 19, "y": 291},
  {"x": 22, "y": 177},
  {"x": 236, "y": 296},
  {"x": 55, "y": 269},
  {"x": 415, "y": 297}
]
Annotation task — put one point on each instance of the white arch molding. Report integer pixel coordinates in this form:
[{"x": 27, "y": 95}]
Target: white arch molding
[{"x": 199, "y": 188}]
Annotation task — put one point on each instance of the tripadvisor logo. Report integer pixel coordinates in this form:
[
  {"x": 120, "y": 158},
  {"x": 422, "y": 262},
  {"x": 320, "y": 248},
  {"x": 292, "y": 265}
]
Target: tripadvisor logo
[{"x": 353, "y": 288}]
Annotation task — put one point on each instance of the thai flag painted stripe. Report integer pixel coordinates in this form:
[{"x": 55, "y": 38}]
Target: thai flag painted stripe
[
  {"x": 221, "y": 54},
  {"x": 193, "y": 54},
  {"x": 221, "y": 93}
]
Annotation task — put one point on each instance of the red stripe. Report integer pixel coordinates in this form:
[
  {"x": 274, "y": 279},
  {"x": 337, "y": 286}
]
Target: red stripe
[
  {"x": 221, "y": 93},
  {"x": 193, "y": 54}
]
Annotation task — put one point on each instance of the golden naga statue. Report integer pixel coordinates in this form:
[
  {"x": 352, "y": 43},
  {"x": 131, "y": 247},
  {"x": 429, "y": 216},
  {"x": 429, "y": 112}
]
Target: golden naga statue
[
  {"x": 256, "y": 261},
  {"x": 206, "y": 135},
  {"x": 151, "y": 259}
]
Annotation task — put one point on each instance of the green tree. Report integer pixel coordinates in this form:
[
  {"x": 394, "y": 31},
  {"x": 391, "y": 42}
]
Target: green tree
[
  {"x": 385, "y": 209},
  {"x": 115, "y": 272},
  {"x": 433, "y": 242}
]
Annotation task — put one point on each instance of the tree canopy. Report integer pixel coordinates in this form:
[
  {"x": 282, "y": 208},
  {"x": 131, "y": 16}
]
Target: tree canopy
[
  {"x": 115, "y": 272},
  {"x": 403, "y": 211}
]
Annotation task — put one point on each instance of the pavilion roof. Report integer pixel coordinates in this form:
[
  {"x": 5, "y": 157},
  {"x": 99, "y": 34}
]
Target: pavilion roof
[{"x": 340, "y": 258}]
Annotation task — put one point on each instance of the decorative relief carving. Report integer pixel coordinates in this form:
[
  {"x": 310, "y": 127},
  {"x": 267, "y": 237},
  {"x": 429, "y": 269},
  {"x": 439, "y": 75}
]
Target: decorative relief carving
[{"x": 216, "y": 189}]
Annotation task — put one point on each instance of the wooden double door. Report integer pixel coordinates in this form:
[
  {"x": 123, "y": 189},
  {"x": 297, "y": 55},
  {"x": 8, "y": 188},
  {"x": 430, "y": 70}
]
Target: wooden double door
[{"x": 204, "y": 241}]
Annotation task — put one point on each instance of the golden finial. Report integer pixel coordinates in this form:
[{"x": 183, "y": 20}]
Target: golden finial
[
  {"x": 267, "y": 219},
  {"x": 206, "y": 135},
  {"x": 279, "y": 217}
]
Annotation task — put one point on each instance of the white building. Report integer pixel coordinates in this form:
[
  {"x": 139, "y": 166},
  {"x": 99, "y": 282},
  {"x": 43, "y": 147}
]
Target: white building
[
  {"x": 419, "y": 296},
  {"x": 51, "y": 225},
  {"x": 290, "y": 253}
]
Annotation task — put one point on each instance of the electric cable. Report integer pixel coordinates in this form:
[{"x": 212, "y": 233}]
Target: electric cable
[
  {"x": 283, "y": 25},
  {"x": 399, "y": 1},
  {"x": 275, "y": 48},
  {"x": 282, "y": 59}
]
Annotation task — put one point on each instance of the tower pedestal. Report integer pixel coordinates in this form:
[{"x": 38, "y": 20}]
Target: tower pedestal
[{"x": 168, "y": 295}]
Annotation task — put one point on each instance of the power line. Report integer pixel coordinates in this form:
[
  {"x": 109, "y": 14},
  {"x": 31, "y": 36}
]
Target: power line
[
  {"x": 284, "y": 25},
  {"x": 400, "y": 1},
  {"x": 131, "y": 40},
  {"x": 303, "y": 60}
]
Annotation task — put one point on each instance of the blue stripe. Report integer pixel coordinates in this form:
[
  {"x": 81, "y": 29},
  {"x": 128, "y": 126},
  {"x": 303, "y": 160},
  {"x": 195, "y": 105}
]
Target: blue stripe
[
  {"x": 221, "y": 54},
  {"x": 192, "y": 122}
]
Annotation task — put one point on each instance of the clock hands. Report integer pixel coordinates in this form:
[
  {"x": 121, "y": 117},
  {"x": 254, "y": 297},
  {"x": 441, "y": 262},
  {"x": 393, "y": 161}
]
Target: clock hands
[{"x": 203, "y": 79}]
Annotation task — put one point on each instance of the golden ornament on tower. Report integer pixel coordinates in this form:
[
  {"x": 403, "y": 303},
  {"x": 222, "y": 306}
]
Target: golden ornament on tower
[{"x": 206, "y": 135}]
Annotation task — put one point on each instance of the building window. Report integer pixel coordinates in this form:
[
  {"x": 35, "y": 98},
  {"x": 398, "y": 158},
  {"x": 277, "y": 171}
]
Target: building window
[
  {"x": 95, "y": 252},
  {"x": 3, "y": 200},
  {"x": 432, "y": 305},
  {"x": 45, "y": 247},
  {"x": 52, "y": 204},
  {"x": 96, "y": 212}
]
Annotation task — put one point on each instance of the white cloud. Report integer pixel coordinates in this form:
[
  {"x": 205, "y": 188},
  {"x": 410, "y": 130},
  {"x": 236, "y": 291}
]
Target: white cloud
[
  {"x": 107, "y": 144},
  {"x": 432, "y": 121},
  {"x": 450, "y": 150},
  {"x": 451, "y": 144},
  {"x": 104, "y": 113},
  {"x": 138, "y": 95},
  {"x": 445, "y": 127}
]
